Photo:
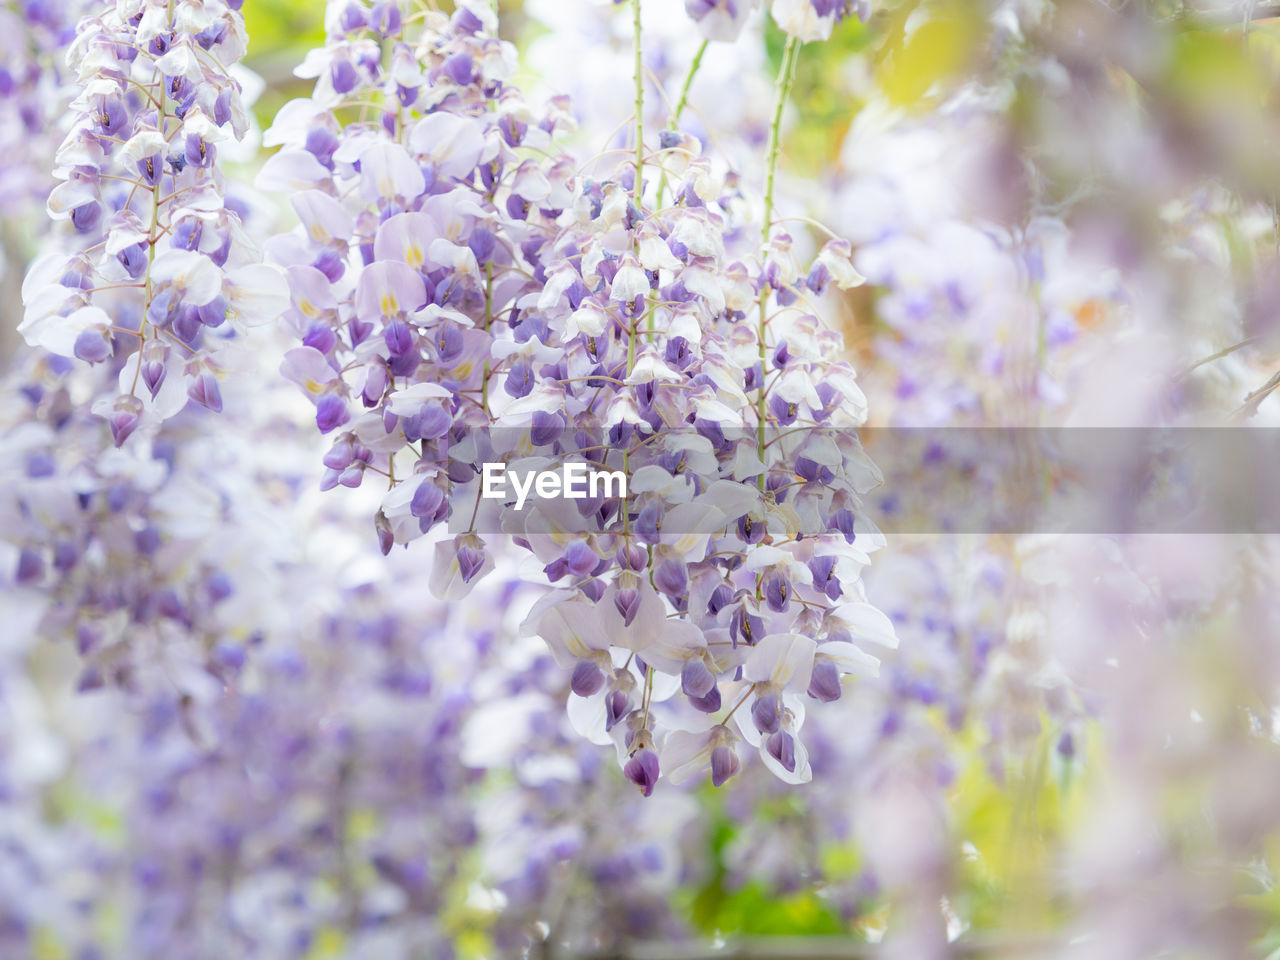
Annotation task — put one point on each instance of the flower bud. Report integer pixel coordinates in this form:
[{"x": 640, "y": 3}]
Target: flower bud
[{"x": 642, "y": 770}]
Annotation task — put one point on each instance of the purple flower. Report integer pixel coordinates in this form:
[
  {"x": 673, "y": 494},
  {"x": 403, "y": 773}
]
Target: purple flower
[
  {"x": 764, "y": 712},
  {"x": 587, "y": 678},
  {"x": 519, "y": 381},
  {"x": 112, "y": 115},
  {"x": 617, "y": 705},
  {"x": 460, "y": 69},
  {"x": 642, "y": 770},
  {"x": 343, "y": 75},
  {"x": 619, "y": 333},
  {"x": 93, "y": 346},
  {"x": 724, "y": 764},
  {"x": 470, "y": 560},
  {"x": 710, "y": 703},
  {"x": 843, "y": 521},
  {"x": 824, "y": 578},
  {"x": 696, "y": 680},
  {"x": 134, "y": 260},
  {"x": 331, "y": 412},
  {"x": 580, "y": 559},
  {"x": 204, "y": 391},
  {"x": 627, "y": 603},
  {"x": 123, "y": 420},
  {"x": 87, "y": 216},
  {"x": 198, "y": 152},
  {"x": 180, "y": 230},
  {"x": 777, "y": 592},
  {"x": 824, "y": 683},
  {"x": 782, "y": 747},
  {"x": 352, "y": 18},
  {"x": 671, "y": 577},
  {"x": 30, "y": 567},
  {"x": 385, "y": 18}
]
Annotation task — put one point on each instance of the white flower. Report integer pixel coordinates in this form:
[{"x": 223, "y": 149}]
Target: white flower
[
  {"x": 388, "y": 171},
  {"x": 782, "y": 660},
  {"x": 799, "y": 19},
  {"x": 630, "y": 281},
  {"x": 446, "y": 581},
  {"x": 649, "y": 367},
  {"x": 58, "y": 334},
  {"x": 181, "y": 61},
  {"x": 145, "y": 144},
  {"x": 290, "y": 170},
  {"x": 193, "y": 274},
  {"x": 588, "y": 319},
  {"x": 837, "y": 257},
  {"x": 656, "y": 255},
  {"x": 455, "y": 144},
  {"x": 865, "y": 622},
  {"x": 257, "y": 294}
]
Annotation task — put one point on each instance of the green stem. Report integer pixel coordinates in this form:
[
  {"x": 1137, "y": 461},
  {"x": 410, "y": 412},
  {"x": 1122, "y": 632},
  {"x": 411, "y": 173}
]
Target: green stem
[
  {"x": 786, "y": 77},
  {"x": 638, "y": 188},
  {"x": 679, "y": 110},
  {"x": 488, "y": 322},
  {"x": 688, "y": 82},
  {"x": 637, "y": 191}
]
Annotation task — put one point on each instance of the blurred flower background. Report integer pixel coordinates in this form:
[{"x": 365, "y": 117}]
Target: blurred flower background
[{"x": 252, "y": 707}]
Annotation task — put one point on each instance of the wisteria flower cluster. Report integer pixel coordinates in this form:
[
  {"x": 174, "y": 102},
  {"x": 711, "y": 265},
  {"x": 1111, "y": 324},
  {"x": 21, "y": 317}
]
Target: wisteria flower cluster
[
  {"x": 33, "y": 36},
  {"x": 465, "y": 294},
  {"x": 155, "y": 275},
  {"x": 233, "y": 718},
  {"x": 157, "y": 564}
]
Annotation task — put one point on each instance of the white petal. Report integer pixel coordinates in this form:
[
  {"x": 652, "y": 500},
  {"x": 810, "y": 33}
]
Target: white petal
[
  {"x": 867, "y": 623},
  {"x": 849, "y": 658},
  {"x": 455, "y": 143},
  {"x": 685, "y": 754},
  {"x": 573, "y": 632},
  {"x": 289, "y": 170},
  {"x": 803, "y": 772},
  {"x": 389, "y": 171},
  {"x": 587, "y": 716},
  {"x": 629, "y": 282},
  {"x": 650, "y": 367},
  {"x": 58, "y": 334},
  {"x": 191, "y": 272},
  {"x": 258, "y": 294},
  {"x": 446, "y": 581},
  {"x": 781, "y": 659}
]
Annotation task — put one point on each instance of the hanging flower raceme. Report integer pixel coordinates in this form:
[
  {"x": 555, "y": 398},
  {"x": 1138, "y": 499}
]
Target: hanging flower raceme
[
  {"x": 723, "y": 593},
  {"x": 33, "y": 37},
  {"x": 154, "y": 275},
  {"x": 289, "y": 766},
  {"x": 729, "y": 577},
  {"x": 465, "y": 299},
  {"x": 409, "y": 255},
  {"x": 160, "y": 563}
]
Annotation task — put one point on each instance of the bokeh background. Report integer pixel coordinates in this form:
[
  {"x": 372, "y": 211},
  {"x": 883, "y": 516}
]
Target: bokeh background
[{"x": 1066, "y": 212}]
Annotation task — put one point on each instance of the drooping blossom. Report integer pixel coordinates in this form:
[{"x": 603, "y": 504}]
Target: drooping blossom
[
  {"x": 462, "y": 294},
  {"x": 153, "y": 274}
]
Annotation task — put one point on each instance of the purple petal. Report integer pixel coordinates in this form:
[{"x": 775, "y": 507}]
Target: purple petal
[{"x": 642, "y": 770}]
